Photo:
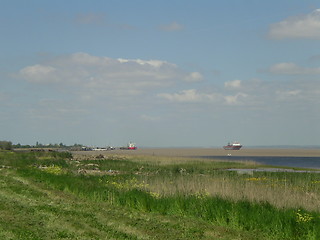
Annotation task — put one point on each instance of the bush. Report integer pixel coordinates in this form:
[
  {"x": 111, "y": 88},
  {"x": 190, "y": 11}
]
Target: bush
[{"x": 5, "y": 145}]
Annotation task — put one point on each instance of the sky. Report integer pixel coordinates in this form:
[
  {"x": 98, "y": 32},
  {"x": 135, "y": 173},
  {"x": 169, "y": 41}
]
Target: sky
[{"x": 176, "y": 73}]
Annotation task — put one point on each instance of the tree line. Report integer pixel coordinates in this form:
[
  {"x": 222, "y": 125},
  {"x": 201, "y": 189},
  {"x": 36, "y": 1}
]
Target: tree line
[{"x": 7, "y": 145}]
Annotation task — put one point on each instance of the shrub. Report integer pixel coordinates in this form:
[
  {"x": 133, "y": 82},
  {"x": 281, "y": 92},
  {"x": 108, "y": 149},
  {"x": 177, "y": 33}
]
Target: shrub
[{"x": 5, "y": 145}]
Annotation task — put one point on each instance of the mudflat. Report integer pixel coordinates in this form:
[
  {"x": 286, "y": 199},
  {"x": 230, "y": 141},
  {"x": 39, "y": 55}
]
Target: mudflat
[{"x": 200, "y": 152}]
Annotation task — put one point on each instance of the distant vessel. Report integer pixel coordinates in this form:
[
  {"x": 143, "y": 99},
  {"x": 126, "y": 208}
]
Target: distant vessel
[
  {"x": 233, "y": 146},
  {"x": 131, "y": 146}
]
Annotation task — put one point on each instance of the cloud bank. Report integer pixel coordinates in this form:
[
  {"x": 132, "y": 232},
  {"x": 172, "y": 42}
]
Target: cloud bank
[
  {"x": 304, "y": 26},
  {"x": 288, "y": 68},
  {"x": 102, "y": 74},
  {"x": 141, "y": 83}
]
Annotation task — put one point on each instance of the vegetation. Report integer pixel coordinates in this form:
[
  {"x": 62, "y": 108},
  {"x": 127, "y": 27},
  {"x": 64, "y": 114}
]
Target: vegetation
[
  {"x": 5, "y": 145},
  {"x": 38, "y": 145},
  {"x": 51, "y": 195}
]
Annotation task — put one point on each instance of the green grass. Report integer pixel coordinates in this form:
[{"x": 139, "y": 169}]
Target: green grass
[{"x": 45, "y": 196}]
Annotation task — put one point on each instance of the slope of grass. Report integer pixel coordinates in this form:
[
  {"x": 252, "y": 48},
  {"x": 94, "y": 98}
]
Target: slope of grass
[
  {"x": 45, "y": 196},
  {"x": 32, "y": 210}
]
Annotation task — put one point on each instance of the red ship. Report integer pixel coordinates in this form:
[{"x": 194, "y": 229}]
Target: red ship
[
  {"x": 131, "y": 146},
  {"x": 233, "y": 146}
]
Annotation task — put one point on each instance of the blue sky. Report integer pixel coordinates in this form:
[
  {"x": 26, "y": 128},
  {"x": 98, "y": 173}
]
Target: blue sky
[{"x": 160, "y": 73}]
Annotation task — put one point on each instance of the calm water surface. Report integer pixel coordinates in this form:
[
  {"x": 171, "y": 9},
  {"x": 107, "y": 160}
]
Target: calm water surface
[{"x": 302, "y": 162}]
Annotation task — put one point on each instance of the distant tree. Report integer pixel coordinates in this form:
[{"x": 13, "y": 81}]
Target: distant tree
[
  {"x": 5, "y": 145},
  {"x": 77, "y": 145},
  {"x": 17, "y": 145},
  {"x": 39, "y": 145}
]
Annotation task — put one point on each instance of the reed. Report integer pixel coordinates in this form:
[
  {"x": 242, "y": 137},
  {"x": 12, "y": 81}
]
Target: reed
[{"x": 280, "y": 189}]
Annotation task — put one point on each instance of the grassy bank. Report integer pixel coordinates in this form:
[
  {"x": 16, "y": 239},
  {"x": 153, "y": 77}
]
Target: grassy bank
[{"x": 52, "y": 196}]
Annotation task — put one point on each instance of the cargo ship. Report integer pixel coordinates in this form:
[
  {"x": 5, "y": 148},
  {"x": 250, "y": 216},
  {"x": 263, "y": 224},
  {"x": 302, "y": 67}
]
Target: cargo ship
[
  {"x": 233, "y": 146},
  {"x": 131, "y": 146}
]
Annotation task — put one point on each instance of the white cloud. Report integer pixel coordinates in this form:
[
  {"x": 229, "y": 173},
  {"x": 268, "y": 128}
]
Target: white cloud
[
  {"x": 194, "y": 96},
  {"x": 255, "y": 94},
  {"x": 38, "y": 73},
  {"x": 233, "y": 84},
  {"x": 194, "y": 77},
  {"x": 235, "y": 99},
  {"x": 153, "y": 63},
  {"x": 103, "y": 73},
  {"x": 287, "y": 94},
  {"x": 189, "y": 96},
  {"x": 172, "y": 27},
  {"x": 292, "y": 69},
  {"x": 108, "y": 84},
  {"x": 305, "y": 26}
]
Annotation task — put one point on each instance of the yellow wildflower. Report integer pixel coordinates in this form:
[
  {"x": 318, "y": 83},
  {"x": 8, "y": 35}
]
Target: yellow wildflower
[
  {"x": 303, "y": 217},
  {"x": 257, "y": 179}
]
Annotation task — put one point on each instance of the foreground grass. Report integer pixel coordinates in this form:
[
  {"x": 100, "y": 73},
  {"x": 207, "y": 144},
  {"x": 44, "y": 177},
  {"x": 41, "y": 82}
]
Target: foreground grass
[
  {"x": 45, "y": 196},
  {"x": 30, "y": 211}
]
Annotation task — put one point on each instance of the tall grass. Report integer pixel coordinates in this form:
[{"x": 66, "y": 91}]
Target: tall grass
[
  {"x": 279, "y": 189},
  {"x": 245, "y": 215}
]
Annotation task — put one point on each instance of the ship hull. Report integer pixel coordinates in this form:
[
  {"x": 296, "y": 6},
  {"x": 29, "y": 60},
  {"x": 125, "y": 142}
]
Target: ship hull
[
  {"x": 232, "y": 147},
  {"x": 128, "y": 148}
]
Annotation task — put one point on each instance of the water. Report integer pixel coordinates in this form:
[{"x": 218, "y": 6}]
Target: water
[{"x": 300, "y": 162}]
